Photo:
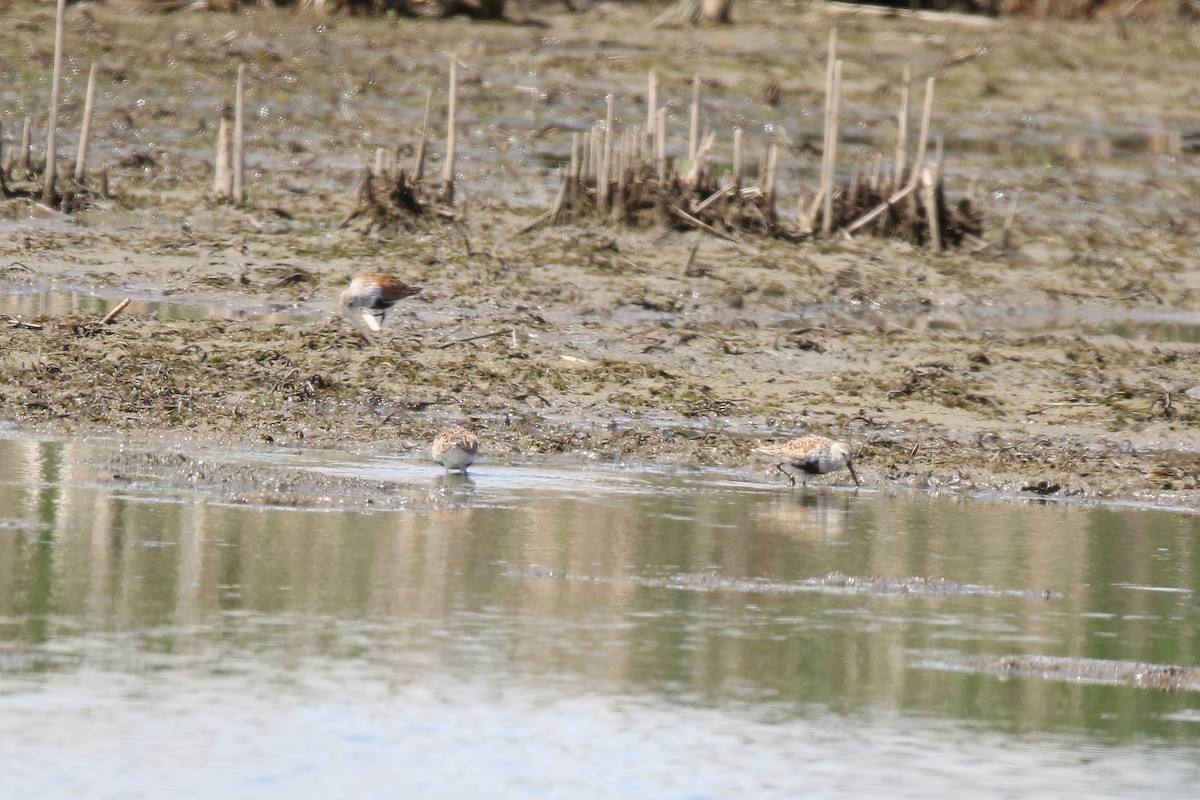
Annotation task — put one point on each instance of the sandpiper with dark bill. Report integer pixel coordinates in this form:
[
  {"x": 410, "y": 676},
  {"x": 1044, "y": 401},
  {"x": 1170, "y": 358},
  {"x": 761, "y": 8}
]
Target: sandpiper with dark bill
[
  {"x": 455, "y": 448},
  {"x": 371, "y": 295},
  {"x": 810, "y": 455}
]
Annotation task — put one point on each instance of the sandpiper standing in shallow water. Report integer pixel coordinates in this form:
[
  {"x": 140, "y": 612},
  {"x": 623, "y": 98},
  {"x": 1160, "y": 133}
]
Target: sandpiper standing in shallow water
[
  {"x": 371, "y": 295},
  {"x": 811, "y": 455},
  {"x": 455, "y": 448}
]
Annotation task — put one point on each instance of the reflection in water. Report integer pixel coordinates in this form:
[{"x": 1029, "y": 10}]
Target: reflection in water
[{"x": 647, "y": 635}]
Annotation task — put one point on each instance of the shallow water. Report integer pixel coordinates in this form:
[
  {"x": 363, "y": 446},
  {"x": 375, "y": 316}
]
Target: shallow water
[
  {"x": 46, "y": 300},
  {"x": 566, "y": 632}
]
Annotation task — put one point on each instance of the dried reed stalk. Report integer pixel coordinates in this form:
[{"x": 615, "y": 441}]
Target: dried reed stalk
[
  {"x": 418, "y": 168},
  {"x": 833, "y": 133},
  {"x": 222, "y": 170},
  {"x": 5, "y": 159},
  {"x": 593, "y": 162},
  {"x": 694, "y": 122},
  {"x": 696, "y": 171},
  {"x": 24, "y": 161},
  {"x": 1006, "y": 235},
  {"x": 602, "y": 185},
  {"x": 51, "y": 173},
  {"x": 239, "y": 138},
  {"x": 6, "y": 156},
  {"x": 115, "y": 312},
  {"x": 576, "y": 165},
  {"x": 826, "y": 180},
  {"x": 660, "y": 150},
  {"x": 623, "y": 156},
  {"x": 902, "y": 130},
  {"x": 651, "y": 105},
  {"x": 923, "y": 138},
  {"x": 85, "y": 133},
  {"x": 874, "y": 213},
  {"x": 451, "y": 131},
  {"x": 737, "y": 158},
  {"x": 929, "y": 196},
  {"x": 769, "y": 180}
]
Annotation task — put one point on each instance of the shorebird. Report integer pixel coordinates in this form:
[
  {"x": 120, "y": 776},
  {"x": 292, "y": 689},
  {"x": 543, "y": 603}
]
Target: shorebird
[
  {"x": 371, "y": 295},
  {"x": 811, "y": 455},
  {"x": 455, "y": 448}
]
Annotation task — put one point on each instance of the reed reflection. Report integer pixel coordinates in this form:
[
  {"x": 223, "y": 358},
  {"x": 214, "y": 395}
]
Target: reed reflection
[{"x": 701, "y": 593}]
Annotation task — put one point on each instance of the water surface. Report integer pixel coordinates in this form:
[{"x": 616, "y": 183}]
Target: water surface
[{"x": 571, "y": 632}]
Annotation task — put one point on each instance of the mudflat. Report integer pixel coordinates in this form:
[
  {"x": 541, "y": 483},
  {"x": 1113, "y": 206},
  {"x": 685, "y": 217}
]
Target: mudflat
[{"x": 1061, "y": 363}]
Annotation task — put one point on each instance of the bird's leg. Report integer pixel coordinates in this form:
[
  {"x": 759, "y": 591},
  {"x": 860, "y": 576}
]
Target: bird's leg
[{"x": 789, "y": 475}]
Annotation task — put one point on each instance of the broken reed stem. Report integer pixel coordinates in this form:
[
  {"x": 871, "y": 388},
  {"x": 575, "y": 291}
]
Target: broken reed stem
[
  {"x": 618, "y": 206},
  {"x": 1006, "y": 234},
  {"x": 737, "y": 158},
  {"x": 929, "y": 195},
  {"x": 691, "y": 259},
  {"x": 939, "y": 158},
  {"x": 694, "y": 127},
  {"x": 222, "y": 172},
  {"x": 874, "y": 213},
  {"x": 116, "y": 310},
  {"x": 606, "y": 157},
  {"x": 721, "y": 193},
  {"x": 832, "y": 128},
  {"x": 769, "y": 180},
  {"x": 23, "y": 162},
  {"x": 699, "y": 158},
  {"x": 451, "y": 133},
  {"x": 651, "y": 107},
  {"x": 5, "y": 164},
  {"x": 419, "y": 158},
  {"x": 85, "y": 133},
  {"x": 923, "y": 138},
  {"x": 380, "y": 168},
  {"x": 239, "y": 138},
  {"x": 660, "y": 150},
  {"x": 591, "y": 164},
  {"x": 581, "y": 178},
  {"x": 902, "y": 131},
  {"x": 680, "y": 214},
  {"x": 576, "y": 159},
  {"x": 550, "y": 216},
  {"x": 56, "y": 76},
  {"x": 855, "y": 178},
  {"x": 557, "y": 210}
]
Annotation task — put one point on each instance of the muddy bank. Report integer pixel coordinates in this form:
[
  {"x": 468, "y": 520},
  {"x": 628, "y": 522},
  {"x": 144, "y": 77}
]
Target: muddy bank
[
  {"x": 1060, "y": 367},
  {"x": 1049, "y": 414}
]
